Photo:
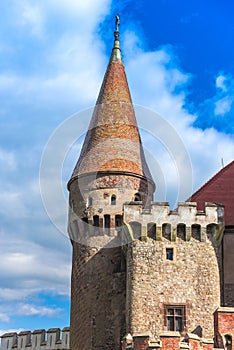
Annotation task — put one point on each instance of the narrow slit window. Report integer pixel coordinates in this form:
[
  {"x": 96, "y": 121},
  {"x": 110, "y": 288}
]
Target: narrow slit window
[
  {"x": 107, "y": 223},
  {"x": 96, "y": 221},
  {"x": 113, "y": 199},
  {"x": 90, "y": 202},
  {"x": 118, "y": 220}
]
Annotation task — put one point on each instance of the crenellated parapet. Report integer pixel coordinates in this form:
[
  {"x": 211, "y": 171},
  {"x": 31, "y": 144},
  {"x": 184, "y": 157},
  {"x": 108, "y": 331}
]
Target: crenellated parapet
[
  {"x": 167, "y": 340},
  {"x": 53, "y": 339},
  {"x": 186, "y": 222}
]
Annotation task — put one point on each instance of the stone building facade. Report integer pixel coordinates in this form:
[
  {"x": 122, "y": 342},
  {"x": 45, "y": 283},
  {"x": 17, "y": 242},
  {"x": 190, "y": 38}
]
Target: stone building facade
[{"x": 220, "y": 189}]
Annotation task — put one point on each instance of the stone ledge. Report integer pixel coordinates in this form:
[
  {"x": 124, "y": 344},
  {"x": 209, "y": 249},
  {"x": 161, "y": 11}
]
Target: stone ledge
[
  {"x": 142, "y": 335},
  {"x": 153, "y": 343},
  {"x": 207, "y": 341},
  {"x": 223, "y": 309},
  {"x": 183, "y": 345},
  {"x": 192, "y": 336},
  {"x": 168, "y": 334}
]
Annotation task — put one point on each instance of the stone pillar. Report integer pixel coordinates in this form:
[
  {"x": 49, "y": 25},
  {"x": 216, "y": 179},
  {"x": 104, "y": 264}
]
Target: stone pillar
[
  {"x": 170, "y": 340},
  {"x": 141, "y": 341}
]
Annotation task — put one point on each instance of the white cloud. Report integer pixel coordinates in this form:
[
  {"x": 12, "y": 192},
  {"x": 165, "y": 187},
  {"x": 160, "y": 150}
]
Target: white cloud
[
  {"x": 220, "y": 82},
  {"x": 32, "y": 17},
  {"x": 223, "y": 105},
  {"x": 4, "y": 317},
  {"x": 33, "y": 310},
  {"x": 14, "y": 206},
  {"x": 156, "y": 81},
  {"x": 7, "y": 160}
]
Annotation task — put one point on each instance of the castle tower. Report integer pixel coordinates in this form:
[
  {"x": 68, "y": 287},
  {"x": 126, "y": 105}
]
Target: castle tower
[
  {"x": 140, "y": 272},
  {"x": 110, "y": 171}
]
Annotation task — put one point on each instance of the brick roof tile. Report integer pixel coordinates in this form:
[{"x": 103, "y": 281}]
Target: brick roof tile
[
  {"x": 113, "y": 142},
  {"x": 219, "y": 189}
]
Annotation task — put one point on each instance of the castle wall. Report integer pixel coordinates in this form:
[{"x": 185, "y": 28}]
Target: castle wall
[
  {"x": 97, "y": 299},
  {"x": 37, "y": 340},
  {"x": 190, "y": 280}
]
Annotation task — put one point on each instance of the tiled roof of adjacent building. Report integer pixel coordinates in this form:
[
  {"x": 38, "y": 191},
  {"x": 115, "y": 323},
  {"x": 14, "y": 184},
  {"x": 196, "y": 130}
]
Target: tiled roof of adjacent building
[
  {"x": 219, "y": 189},
  {"x": 113, "y": 143}
]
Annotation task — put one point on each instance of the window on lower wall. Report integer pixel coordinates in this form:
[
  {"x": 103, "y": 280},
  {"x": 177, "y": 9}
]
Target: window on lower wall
[
  {"x": 170, "y": 254},
  {"x": 175, "y": 317}
]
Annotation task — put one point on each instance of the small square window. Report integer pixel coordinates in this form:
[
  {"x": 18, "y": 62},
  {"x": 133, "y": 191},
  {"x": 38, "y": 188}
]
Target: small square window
[{"x": 170, "y": 254}]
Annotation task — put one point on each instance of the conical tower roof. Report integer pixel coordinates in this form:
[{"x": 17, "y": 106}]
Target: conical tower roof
[{"x": 112, "y": 143}]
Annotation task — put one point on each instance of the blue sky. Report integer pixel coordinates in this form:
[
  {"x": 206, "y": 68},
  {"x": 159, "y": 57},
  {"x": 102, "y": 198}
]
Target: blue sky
[{"x": 178, "y": 57}]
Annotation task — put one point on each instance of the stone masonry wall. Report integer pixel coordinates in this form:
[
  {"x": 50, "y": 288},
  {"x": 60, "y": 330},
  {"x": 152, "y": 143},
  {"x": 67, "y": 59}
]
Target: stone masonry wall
[
  {"x": 191, "y": 279},
  {"x": 37, "y": 340},
  {"x": 98, "y": 289}
]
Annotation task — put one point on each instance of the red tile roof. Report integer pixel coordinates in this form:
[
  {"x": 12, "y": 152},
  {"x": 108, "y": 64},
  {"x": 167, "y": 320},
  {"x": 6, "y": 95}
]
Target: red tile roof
[
  {"x": 219, "y": 189},
  {"x": 113, "y": 142}
]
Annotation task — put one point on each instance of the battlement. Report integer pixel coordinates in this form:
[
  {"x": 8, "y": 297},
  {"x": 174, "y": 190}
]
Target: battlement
[
  {"x": 37, "y": 340},
  {"x": 185, "y": 222}
]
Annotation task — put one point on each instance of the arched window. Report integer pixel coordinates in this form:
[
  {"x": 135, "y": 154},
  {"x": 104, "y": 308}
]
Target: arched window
[
  {"x": 151, "y": 230},
  {"x": 212, "y": 230},
  {"x": 107, "y": 223},
  {"x": 136, "y": 228},
  {"x": 196, "y": 232},
  {"x": 113, "y": 199},
  {"x": 166, "y": 231},
  {"x": 96, "y": 220},
  {"x": 137, "y": 197},
  {"x": 228, "y": 342},
  {"x": 181, "y": 231},
  {"x": 118, "y": 220}
]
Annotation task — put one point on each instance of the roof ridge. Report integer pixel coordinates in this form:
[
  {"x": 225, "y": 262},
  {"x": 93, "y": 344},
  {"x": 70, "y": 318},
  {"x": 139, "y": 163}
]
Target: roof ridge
[{"x": 214, "y": 177}]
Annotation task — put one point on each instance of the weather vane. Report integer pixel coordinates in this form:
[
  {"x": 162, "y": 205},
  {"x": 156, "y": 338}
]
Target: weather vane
[{"x": 117, "y": 23}]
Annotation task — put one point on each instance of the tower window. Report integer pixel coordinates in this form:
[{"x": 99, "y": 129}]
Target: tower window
[
  {"x": 137, "y": 197},
  {"x": 170, "y": 254},
  {"x": 107, "y": 223},
  {"x": 196, "y": 232},
  {"x": 181, "y": 231},
  {"x": 166, "y": 231},
  {"x": 89, "y": 202},
  {"x": 175, "y": 317},
  {"x": 96, "y": 220},
  {"x": 118, "y": 220},
  {"x": 228, "y": 342},
  {"x": 113, "y": 199},
  {"x": 151, "y": 230}
]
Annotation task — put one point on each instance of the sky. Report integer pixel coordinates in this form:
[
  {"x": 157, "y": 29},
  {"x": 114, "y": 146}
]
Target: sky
[{"x": 179, "y": 60}]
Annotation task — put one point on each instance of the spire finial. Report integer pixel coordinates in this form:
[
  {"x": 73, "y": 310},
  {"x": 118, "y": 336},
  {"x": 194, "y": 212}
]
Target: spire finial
[
  {"x": 116, "y": 55},
  {"x": 117, "y": 23}
]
